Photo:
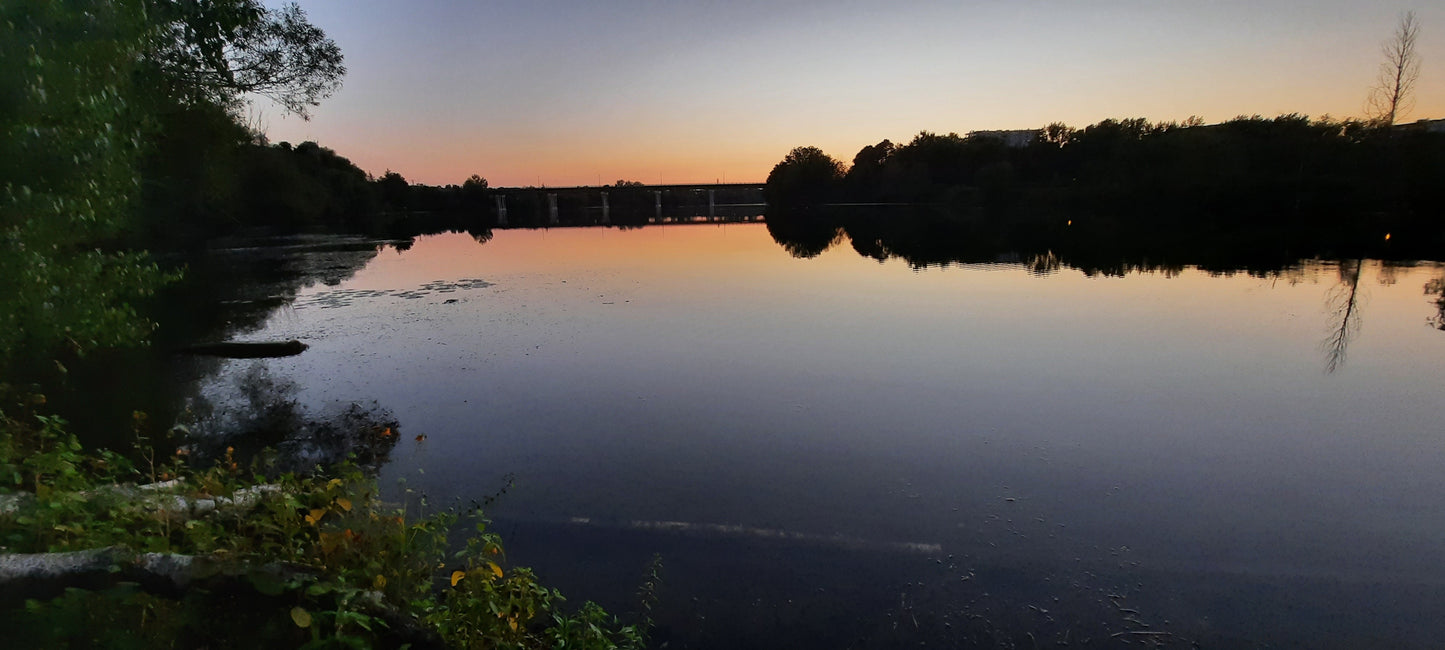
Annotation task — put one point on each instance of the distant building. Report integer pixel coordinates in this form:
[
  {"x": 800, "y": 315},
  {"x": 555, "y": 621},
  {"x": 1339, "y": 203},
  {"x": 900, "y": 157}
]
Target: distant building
[
  {"x": 1428, "y": 126},
  {"x": 1016, "y": 138}
]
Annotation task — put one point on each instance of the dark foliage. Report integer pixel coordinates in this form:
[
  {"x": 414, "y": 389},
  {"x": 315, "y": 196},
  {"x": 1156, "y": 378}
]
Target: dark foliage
[
  {"x": 1287, "y": 181},
  {"x": 805, "y": 177},
  {"x": 218, "y": 51}
]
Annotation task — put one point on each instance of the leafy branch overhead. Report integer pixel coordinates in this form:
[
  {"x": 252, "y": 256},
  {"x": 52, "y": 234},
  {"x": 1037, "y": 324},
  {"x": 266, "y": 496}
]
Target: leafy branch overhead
[
  {"x": 219, "y": 51},
  {"x": 110, "y": 104}
]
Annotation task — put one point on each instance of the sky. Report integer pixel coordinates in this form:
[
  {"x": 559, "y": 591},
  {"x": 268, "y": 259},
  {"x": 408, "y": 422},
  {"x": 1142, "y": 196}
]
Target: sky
[{"x": 540, "y": 92}]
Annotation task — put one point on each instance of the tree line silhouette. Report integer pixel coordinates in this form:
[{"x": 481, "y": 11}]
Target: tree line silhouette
[{"x": 1291, "y": 181}]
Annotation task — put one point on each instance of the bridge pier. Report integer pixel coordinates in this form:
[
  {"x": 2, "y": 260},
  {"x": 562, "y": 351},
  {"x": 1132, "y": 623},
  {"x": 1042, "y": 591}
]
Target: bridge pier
[
  {"x": 552, "y": 209},
  {"x": 710, "y": 202},
  {"x": 501, "y": 200},
  {"x": 657, "y": 198},
  {"x": 606, "y": 210}
]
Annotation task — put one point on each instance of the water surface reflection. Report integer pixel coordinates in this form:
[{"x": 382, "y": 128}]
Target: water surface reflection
[{"x": 831, "y": 448}]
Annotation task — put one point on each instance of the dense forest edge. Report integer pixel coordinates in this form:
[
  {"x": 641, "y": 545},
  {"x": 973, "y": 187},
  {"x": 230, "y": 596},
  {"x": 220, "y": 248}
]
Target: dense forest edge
[
  {"x": 126, "y": 156},
  {"x": 1286, "y": 186}
]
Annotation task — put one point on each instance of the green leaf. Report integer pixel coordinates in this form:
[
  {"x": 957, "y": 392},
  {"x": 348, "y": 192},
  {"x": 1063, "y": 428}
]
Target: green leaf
[
  {"x": 318, "y": 589},
  {"x": 268, "y": 584},
  {"x": 301, "y": 617}
]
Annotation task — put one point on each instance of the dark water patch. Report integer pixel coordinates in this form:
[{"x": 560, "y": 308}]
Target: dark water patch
[
  {"x": 727, "y": 590},
  {"x": 267, "y": 424}
]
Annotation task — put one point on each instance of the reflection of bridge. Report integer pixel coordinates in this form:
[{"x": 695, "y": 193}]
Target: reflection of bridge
[{"x": 629, "y": 204}]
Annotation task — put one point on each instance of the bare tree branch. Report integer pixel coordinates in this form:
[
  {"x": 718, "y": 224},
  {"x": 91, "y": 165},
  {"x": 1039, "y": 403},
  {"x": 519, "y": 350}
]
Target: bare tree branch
[{"x": 1392, "y": 96}]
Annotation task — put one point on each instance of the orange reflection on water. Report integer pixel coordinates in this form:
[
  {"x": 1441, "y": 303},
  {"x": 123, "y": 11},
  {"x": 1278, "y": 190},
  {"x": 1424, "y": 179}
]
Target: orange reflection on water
[
  {"x": 567, "y": 251},
  {"x": 678, "y": 266}
]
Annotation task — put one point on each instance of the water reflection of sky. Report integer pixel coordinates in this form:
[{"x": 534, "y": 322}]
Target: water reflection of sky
[{"x": 700, "y": 374}]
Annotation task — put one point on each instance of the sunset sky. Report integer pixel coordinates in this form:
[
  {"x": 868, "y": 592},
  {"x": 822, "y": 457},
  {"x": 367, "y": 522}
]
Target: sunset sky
[{"x": 577, "y": 93}]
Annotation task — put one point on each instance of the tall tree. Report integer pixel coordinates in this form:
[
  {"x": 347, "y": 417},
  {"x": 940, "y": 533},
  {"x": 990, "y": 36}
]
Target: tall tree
[
  {"x": 1393, "y": 92},
  {"x": 805, "y": 177}
]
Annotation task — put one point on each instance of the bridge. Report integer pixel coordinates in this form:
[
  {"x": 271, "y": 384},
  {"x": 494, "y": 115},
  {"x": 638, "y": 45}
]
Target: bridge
[{"x": 628, "y": 204}]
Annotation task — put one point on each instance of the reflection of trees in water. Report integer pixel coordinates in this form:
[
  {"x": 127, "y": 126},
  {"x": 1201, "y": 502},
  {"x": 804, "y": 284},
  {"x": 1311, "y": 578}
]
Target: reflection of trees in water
[
  {"x": 803, "y": 235},
  {"x": 232, "y": 291},
  {"x": 1388, "y": 273},
  {"x": 1123, "y": 267},
  {"x": 236, "y": 292},
  {"x": 1044, "y": 263},
  {"x": 266, "y": 421},
  {"x": 1343, "y": 301},
  {"x": 225, "y": 293},
  {"x": 873, "y": 249},
  {"x": 1436, "y": 288},
  {"x": 923, "y": 236}
]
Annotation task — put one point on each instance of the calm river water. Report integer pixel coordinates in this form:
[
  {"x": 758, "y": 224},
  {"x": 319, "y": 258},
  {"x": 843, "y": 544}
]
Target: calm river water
[{"x": 836, "y": 451}]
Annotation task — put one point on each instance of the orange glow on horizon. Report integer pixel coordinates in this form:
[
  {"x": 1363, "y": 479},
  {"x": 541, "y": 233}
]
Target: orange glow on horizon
[
  {"x": 588, "y": 162},
  {"x": 589, "y": 95}
]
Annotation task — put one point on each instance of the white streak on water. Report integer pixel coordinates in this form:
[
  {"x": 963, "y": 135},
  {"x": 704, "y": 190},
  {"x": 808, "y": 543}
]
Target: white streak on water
[{"x": 729, "y": 530}]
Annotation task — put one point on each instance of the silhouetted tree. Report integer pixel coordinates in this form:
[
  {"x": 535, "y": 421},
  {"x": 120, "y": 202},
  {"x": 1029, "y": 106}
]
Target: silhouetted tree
[
  {"x": 473, "y": 195},
  {"x": 204, "y": 172},
  {"x": 474, "y": 183},
  {"x": 867, "y": 171},
  {"x": 1393, "y": 92},
  {"x": 308, "y": 187},
  {"x": 395, "y": 191},
  {"x": 1058, "y": 134},
  {"x": 193, "y": 171},
  {"x": 929, "y": 165},
  {"x": 217, "y": 51},
  {"x": 805, "y": 177}
]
